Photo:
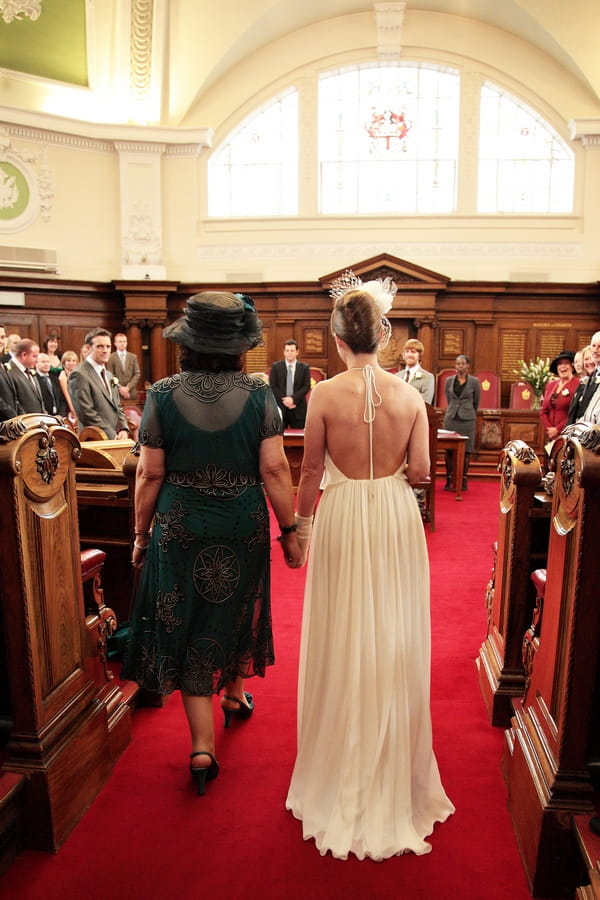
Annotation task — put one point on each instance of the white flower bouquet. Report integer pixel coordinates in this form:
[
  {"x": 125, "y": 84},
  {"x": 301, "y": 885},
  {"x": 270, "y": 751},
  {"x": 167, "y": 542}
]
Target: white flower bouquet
[{"x": 536, "y": 373}]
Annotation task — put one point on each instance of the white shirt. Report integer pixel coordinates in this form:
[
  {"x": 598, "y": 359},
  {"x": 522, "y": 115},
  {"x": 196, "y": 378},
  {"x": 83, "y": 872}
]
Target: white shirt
[{"x": 592, "y": 413}]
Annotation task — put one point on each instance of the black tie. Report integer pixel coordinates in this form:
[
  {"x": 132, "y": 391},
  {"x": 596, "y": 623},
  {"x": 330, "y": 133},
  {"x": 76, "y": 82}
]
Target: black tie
[
  {"x": 35, "y": 385},
  {"x": 590, "y": 389},
  {"x": 50, "y": 387}
]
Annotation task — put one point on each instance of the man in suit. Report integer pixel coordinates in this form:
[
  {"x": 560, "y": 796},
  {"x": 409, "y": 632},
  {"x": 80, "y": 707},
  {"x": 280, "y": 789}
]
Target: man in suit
[
  {"x": 9, "y": 404},
  {"x": 290, "y": 382},
  {"x": 125, "y": 367},
  {"x": 4, "y": 354},
  {"x": 22, "y": 372},
  {"x": 52, "y": 395},
  {"x": 591, "y": 398},
  {"x": 94, "y": 391},
  {"x": 419, "y": 378}
]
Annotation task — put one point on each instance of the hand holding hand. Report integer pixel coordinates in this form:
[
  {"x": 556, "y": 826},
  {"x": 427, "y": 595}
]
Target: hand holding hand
[{"x": 292, "y": 552}]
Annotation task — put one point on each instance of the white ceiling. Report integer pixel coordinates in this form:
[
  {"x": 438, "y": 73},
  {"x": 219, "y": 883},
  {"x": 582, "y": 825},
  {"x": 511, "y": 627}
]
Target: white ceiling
[{"x": 194, "y": 43}]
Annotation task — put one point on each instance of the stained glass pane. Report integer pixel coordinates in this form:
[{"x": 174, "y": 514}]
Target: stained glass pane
[
  {"x": 254, "y": 172},
  {"x": 524, "y": 166},
  {"x": 388, "y": 139}
]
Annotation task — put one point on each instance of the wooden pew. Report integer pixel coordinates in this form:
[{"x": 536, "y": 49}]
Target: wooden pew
[
  {"x": 105, "y": 477},
  {"x": 523, "y": 528},
  {"x": 66, "y": 732},
  {"x": 546, "y": 754}
]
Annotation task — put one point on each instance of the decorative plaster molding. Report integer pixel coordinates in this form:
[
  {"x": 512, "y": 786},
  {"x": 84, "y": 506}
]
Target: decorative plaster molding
[
  {"x": 585, "y": 130},
  {"x": 407, "y": 250},
  {"x": 140, "y": 63},
  {"x": 389, "y": 18},
  {"x": 101, "y": 138},
  {"x": 13, "y": 9},
  {"x": 141, "y": 244},
  {"x": 32, "y": 167}
]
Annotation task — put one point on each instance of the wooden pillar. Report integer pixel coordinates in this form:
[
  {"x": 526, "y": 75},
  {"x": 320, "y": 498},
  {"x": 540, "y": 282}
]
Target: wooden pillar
[
  {"x": 146, "y": 305},
  {"x": 546, "y": 752},
  {"x": 500, "y": 664},
  {"x": 134, "y": 340},
  {"x": 425, "y": 328},
  {"x": 60, "y": 734}
]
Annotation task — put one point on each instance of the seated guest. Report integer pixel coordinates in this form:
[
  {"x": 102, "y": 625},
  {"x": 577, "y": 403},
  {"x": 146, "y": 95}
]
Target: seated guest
[
  {"x": 22, "y": 371},
  {"x": 94, "y": 392},
  {"x": 580, "y": 401},
  {"x": 558, "y": 395},
  {"x": 591, "y": 397},
  {"x": 462, "y": 393},
  {"x": 290, "y": 382},
  {"x": 413, "y": 373}
]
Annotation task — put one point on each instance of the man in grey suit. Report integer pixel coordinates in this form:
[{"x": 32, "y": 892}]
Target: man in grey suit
[
  {"x": 125, "y": 367},
  {"x": 94, "y": 391},
  {"x": 418, "y": 377},
  {"x": 21, "y": 370}
]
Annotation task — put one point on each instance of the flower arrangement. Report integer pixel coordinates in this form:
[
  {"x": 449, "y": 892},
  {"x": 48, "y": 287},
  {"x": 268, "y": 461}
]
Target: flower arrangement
[{"x": 537, "y": 374}]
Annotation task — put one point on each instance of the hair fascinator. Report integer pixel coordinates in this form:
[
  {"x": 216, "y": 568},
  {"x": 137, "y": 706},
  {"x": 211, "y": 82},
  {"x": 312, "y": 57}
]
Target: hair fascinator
[{"x": 383, "y": 290}]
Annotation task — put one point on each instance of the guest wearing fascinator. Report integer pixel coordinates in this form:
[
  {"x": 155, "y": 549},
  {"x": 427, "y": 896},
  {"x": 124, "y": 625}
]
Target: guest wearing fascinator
[{"x": 211, "y": 447}]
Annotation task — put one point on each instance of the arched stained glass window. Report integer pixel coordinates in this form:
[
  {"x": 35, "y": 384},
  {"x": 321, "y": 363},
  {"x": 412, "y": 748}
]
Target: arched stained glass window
[
  {"x": 524, "y": 166},
  {"x": 388, "y": 139},
  {"x": 254, "y": 172}
]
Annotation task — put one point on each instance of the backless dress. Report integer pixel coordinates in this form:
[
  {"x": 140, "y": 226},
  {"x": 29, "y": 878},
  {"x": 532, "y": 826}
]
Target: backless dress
[{"x": 366, "y": 780}]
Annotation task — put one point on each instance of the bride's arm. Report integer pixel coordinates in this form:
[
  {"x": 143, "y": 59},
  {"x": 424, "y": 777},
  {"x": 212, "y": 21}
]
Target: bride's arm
[
  {"x": 313, "y": 460},
  {"x": 418, "y": 463}
]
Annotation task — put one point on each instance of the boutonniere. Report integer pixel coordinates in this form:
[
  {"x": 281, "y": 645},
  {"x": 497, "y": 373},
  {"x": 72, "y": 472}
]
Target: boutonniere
[
  {"x": 417, "y": 375},
  {"x": 565, "y": 392},
  {"x": 597, "y": 379},
  {"x": 114, "y": 382}
]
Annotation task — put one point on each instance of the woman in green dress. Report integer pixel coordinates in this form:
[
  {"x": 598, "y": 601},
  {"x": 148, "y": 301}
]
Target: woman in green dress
[{"x": 211, "y": 446}]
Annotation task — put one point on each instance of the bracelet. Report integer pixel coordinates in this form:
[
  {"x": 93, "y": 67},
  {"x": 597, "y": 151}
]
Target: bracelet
[
  {"x": 141, "y": 533},
  {"x": 140, "y": 546},
  {"x": 288, "y": 529}
]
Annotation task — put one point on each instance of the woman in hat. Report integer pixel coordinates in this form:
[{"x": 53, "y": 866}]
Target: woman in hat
[
  {"x": 558, "y": 394},
  {"x": 211, "y": 445}
]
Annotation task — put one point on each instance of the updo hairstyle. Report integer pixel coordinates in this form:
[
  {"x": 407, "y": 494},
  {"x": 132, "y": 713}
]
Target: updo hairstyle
[{"x": 356, "y": 319}]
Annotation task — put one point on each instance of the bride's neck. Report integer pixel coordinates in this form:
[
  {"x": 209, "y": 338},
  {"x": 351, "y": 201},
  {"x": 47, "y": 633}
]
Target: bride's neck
[{"x": 360, "y": 360}]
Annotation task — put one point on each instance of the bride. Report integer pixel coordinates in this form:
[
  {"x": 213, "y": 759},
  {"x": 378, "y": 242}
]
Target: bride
[{"x": 365, "y": 780}]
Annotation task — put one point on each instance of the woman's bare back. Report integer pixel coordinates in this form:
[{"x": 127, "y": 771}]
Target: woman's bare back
[{"x": 399, "y": 424}]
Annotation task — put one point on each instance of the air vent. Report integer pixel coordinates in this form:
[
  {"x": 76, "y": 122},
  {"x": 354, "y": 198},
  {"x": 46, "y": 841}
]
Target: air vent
[{"x": 28, "y": 259}]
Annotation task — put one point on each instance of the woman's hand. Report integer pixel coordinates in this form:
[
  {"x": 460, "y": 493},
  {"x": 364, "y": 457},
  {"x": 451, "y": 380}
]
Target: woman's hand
[
  {"x": 138, "y": 555},
  {"x": 292, "y": 552}
]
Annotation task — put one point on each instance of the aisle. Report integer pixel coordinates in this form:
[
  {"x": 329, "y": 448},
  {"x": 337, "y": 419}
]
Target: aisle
[{"x": 148, "y": 836}]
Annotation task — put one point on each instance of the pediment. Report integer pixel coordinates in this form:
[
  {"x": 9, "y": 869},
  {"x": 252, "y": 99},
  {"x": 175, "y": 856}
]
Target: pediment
[{"x": 404, "y": 273}]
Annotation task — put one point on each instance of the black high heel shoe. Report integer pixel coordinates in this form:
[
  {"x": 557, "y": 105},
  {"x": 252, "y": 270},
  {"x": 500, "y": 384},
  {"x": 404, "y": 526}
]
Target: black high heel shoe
[
  {"x": 201, "y": 776},
  {"x": 244, "y": 710}
]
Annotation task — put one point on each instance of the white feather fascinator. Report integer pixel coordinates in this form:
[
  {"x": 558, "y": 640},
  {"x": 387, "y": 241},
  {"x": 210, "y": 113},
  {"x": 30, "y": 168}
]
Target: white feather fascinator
[{"x": 383, "y": 290}]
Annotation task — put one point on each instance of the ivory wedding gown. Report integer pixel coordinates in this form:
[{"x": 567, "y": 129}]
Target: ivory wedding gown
[{"x": 366, "y": 780}]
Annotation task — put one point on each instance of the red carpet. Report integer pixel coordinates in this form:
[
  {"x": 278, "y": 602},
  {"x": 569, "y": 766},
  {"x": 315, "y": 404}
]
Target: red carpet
[{"x": 147, "y": 835}]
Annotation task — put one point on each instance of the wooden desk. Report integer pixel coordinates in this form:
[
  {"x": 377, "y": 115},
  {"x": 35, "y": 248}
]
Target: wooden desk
[
  {"x": 293, "y": 442},
  {"x": 456, "y": 443}
]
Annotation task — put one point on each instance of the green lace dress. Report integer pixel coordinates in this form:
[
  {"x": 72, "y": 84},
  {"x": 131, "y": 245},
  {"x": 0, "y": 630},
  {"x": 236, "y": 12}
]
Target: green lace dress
[{"x": 202, "y": 612}]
